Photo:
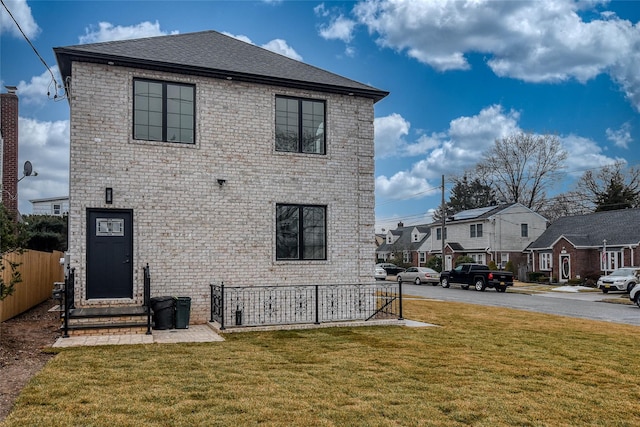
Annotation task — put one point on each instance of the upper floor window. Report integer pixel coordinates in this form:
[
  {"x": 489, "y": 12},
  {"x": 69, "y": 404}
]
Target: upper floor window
[
  {"x": 475, "y": 230},
  {"x": 56, "y": 209},
  {"x": 301, "y": 232},
  {"x": 163, "y": 111},
  {"x": 524, "y": 230},
  {"x": 439, "y": 233},
  {"x": 415, "y": 237},
  {"x": 300, "y": 125}
]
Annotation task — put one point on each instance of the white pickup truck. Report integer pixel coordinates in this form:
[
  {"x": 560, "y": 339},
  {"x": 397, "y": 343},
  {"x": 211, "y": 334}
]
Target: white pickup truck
[{"x": 621, "y": 279}]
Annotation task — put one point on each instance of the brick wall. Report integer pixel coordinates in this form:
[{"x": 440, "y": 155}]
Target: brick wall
[
  {"x": 191, "y": 230},
  {"x": 9, "y": 125}
]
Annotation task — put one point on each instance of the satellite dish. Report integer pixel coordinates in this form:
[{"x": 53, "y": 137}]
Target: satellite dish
[{"x": 28, "y": 168}]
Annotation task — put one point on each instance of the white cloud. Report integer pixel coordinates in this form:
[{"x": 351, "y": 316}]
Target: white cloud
[
  {"x": 620, "y": 137},
  {"x": 106, "y": 31},
  {"x": 276, "y": 45},
  {"x": 46, "y": 146},
  {"x": 340, "y": 28},
  {"x": 584, "y": 154},
  {"x": 389, "y": 135},
  {"x": 280, "y": 46},
  {"x": 40, "y": 88},
  {"x": 532, "y": 41},
  {"x": 460, "y": 147},
  {"x": 22, "y": 13}
]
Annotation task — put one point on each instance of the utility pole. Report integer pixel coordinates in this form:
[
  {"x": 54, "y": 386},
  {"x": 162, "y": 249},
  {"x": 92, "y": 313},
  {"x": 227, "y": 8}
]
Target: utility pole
[{"x": 444, "y": 221}]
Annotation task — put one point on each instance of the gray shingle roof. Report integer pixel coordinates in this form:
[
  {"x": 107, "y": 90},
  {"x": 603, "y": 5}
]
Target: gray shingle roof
[
  {"x": 620, "y": 227},
  {"x": 213, "y": 54},
  {"x": 404, "y": 242}
]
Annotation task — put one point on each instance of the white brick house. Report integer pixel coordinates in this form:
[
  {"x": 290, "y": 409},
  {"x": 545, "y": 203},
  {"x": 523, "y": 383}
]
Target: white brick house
[{"x": 182, "y": 158}]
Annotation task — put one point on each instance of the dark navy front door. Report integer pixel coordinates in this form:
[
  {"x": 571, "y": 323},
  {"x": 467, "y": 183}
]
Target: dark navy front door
[{"x": 109, "y": 253}]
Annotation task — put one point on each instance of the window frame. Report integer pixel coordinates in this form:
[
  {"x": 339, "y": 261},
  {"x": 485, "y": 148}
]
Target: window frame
[
  {"x": 439, "y": 233},
  {"x": 300, "y": 231},
  {"x": 165, "y": 84},
  {"x": 300, "y": 125},
  {"x": 475, "y": 230},
  {"x": 546, "y": 261},
  {"x": 524, "y": 230}
]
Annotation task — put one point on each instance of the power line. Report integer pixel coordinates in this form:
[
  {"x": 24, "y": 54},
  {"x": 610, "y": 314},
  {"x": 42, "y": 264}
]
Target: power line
[{"x": 53, "y": 78}]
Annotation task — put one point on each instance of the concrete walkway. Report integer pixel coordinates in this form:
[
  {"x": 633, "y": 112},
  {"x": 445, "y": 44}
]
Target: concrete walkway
[{"x": 195, "y": 333}]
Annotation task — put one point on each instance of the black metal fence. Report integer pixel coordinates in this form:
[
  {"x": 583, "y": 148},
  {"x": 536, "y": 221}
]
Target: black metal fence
[
  {"x": 147, "y": 296},
  {"x": 240, "y": 306}
]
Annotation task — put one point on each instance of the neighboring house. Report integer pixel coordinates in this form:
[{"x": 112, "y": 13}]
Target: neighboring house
[
  {"x": 56, "y": 206},
  {"x": 405, "y": 242},
  {"x": 493, "y": 233},
  {"x": 9, "y": 150},
  {"x": 575, "y": 246},
  {"x": 214, "y": 160}
]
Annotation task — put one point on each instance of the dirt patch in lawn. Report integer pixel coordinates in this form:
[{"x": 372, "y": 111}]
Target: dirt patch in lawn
[{"x": 22, "y": 340}]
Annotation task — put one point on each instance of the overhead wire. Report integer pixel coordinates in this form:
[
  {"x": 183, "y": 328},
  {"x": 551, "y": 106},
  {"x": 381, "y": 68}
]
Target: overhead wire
[{"x": 53, "y": 78}]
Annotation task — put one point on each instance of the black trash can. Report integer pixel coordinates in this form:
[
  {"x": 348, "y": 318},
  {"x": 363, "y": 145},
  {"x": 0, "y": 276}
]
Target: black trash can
[
  {"x": 163, "y": 308},
  {"x": 183, "y": 309}
]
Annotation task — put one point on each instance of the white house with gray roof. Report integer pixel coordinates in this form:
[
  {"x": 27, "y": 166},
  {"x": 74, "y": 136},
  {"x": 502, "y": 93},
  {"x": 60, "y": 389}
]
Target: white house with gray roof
[
  {"x": 575, "y": 247},
  {"x": 214, "y": 161}
]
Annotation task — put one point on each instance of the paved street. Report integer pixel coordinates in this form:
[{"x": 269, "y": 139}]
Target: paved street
[{"x": 588, "y": 305}]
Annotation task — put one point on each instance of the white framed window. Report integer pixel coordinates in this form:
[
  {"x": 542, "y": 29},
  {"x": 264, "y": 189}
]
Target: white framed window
[
  {"x": 422, "y": 257},
  {"x": 56, "y": 209},
  {"x": 524, "y": 230},
  {"x": 439, "y": 233},
  {"x": 546, "y": 261},
  {"x": 475, "y": 230},
  {"x": 415, "y": 237},
  {"x": 610, "y": 260},
  {"x": 478, "y": 258},
  {"x": 504, "y": 259},
  {"x": 406, "y": 256}
]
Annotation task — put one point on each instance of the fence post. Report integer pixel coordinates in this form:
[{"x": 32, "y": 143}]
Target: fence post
[
  {"x": 147, "y": 296},
  {"x": 317, "y": 306},
  {"x": 222, "y": 306},
  {"x": 400, "y": 298}
]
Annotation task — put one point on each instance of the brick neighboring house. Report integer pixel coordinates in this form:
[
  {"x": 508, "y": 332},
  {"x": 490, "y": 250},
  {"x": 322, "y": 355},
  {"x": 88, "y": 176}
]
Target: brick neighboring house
[
  {"x": 408, "y": 241},
  {"x": 214, "y": 160},
  {"x": 9, "y": 151},
  {"x": 582, "y": 244},
  {"x": 493, "y": 233}
]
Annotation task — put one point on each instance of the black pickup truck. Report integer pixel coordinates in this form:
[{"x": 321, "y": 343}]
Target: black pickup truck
[{"x": 477, "y": 275}]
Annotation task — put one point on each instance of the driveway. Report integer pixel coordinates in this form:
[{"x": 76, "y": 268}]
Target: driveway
[{"x": 611, "y": 307}]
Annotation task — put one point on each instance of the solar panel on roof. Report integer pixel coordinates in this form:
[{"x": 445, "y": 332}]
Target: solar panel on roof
[{"x": 472, "y": 213}]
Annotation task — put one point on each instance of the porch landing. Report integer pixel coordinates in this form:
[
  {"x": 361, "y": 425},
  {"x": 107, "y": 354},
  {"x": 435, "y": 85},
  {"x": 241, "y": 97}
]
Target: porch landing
[{"x": 195, "y": 333}]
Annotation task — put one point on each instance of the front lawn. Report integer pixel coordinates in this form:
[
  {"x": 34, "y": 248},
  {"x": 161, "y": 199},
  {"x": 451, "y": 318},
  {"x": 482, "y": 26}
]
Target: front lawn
[{"x": 483, "y": 366}]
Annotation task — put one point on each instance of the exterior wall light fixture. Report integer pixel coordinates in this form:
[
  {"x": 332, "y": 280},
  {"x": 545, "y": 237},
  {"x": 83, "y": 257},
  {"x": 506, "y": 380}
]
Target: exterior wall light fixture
[{"x": 108, "y": 195}]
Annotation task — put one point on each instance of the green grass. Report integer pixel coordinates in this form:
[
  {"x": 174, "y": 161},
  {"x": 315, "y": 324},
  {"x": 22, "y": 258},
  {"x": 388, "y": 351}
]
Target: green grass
[{"x": 483, "y": 367}]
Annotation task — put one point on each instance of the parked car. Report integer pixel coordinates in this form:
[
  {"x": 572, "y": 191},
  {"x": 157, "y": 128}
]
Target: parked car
[
  {"x": 380, "y": 273},
  {"x": 419, "y": 275},
  {"x": 477, "y": 275},
  {"x": 391, "y": 269},
  {"x": 634, "y": 295},
  {"x": 621, "y": 279}
]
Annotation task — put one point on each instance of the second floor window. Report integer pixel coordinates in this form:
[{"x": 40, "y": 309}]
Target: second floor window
[
  {"x": 475, "y": 230},
  {"x": 439, "y": 233},
  {"x": 524, "y": 230},
  {"x": 163, "y": 111},
  {"x": 300, "y": 125}
]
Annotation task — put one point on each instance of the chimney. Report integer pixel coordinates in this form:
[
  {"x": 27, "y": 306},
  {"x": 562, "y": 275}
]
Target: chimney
[
  {"x": 9, "y": 131},
  {"x": 400, "y": 224}
]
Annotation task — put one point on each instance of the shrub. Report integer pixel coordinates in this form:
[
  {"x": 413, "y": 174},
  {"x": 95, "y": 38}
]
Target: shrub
[
  {"x": 535, "y": 276},
  {"x": 492, "y": 265},
  {"x": 511, "y": 267},
  {"x": 463, "y": 259}
]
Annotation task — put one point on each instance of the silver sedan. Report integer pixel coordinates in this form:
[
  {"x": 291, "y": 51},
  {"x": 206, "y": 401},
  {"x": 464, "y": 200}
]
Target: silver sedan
[{"x": 419, "y": 275}]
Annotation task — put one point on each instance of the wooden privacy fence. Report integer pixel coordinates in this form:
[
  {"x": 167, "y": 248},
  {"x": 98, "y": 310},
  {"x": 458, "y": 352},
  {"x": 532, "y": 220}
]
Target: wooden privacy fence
[{"x": 39, "y": 271}]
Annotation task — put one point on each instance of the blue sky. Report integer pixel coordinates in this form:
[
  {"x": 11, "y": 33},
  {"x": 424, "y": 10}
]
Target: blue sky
[{"x": 460, "y": 74}]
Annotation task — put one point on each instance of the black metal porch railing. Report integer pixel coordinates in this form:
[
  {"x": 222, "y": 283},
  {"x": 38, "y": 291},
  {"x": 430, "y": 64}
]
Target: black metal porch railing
[
  {"x": 233, "y": 306},
  {"x": 147, "y": 296},
  {"x": 69, "y": 288}
]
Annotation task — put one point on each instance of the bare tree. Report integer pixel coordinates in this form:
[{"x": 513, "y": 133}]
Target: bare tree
[
  {"x": 566, "y": 204},
  {"x": 611, "y": 188},
  {"x": 520, "y": 167}
]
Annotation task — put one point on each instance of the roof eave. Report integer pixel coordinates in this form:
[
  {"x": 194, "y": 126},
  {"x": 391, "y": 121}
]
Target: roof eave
[{"x": 66, "y": 56}]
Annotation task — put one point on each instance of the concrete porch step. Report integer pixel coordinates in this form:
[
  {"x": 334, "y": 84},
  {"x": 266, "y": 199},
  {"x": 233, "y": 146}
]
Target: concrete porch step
[{"x": 107, "y": 320}]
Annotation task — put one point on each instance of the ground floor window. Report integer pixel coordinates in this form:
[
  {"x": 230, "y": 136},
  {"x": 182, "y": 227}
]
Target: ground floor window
[
  {"x": 545, "y": 261},
  {"x": 610, "y": 260},
  {"x": 478, "y": 258},
  {"x": 301, "y": 232},
  {"x": 504, "y": 259},
  {"x": 423, "y": 257},
  {"x": 406, "y": 257}
]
